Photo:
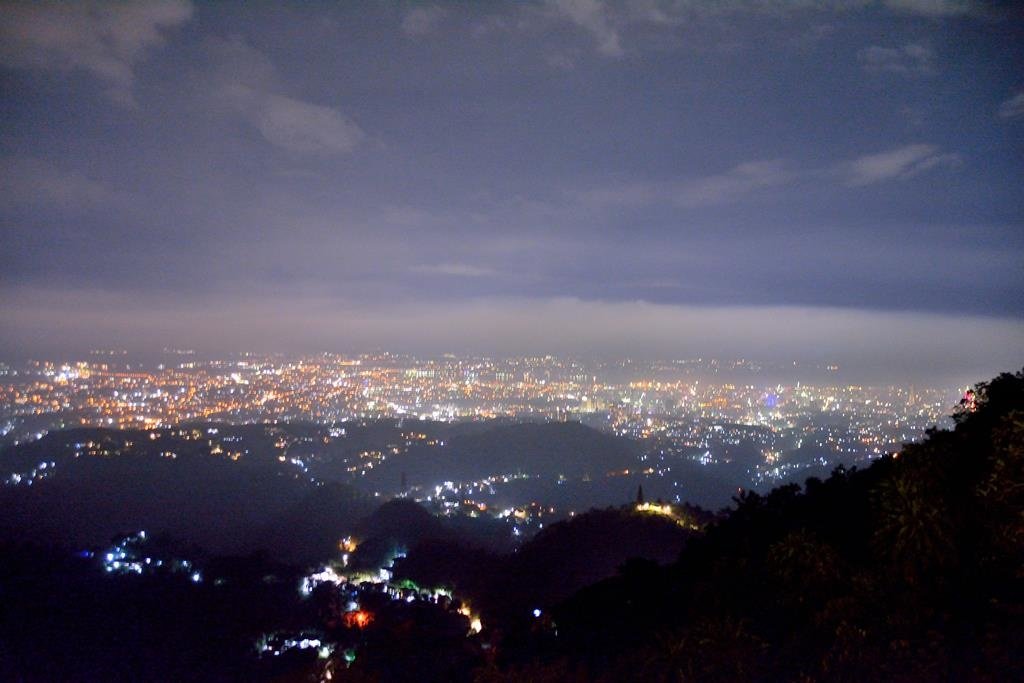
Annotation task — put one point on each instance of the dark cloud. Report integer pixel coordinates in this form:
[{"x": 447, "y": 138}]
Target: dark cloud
[{"x": 635, "y": 176}]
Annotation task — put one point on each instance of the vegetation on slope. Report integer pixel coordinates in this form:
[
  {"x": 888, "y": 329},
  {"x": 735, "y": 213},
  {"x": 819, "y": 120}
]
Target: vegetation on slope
[{"x": 909, "y": 570}]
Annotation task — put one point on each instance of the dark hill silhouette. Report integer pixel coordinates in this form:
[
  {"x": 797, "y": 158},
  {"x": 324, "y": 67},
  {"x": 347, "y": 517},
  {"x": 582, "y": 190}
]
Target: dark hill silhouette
[
  {"x": 308, "y": 531},
  {"x": 560, "y": 560},
  {"x": 401, "y": 520},
  {"x": 222, "y": 506},
  {"x": 395, "y": 527},
  {"x": 907, "y": 570},
  {"x": 543, "y": 449},
  {"x": 569, "y": 555}
]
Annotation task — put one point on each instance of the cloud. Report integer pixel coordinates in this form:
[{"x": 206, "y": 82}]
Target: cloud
[
  {"x": 933, "y": 8},
  {"x": 105, "y": 39},
  {"x": 246, "y": 82},
  {"x": 609, "y": 22},
  {"x": 455, "y": 270},
  {"x": 1013, "y": 107},
  {"x": 304, "y": 127},
  {"x": 910, "y": 60},
  {"x": 593, "y": 17},
  {"x": 900, "y": 163},
  {"x": 732, "y": 185},
  {"x": 749, "y": 178},
  {"x": 739, "y": 181},
  {"x": 232, "y": 61},
  {"x": 422, "y": 20}
]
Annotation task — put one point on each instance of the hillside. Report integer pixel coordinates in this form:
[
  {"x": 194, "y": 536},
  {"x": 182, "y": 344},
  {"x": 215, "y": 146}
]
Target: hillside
[
  {"x": 545, "y": 449},
  {"x": 221, "y": 505},
  {"x": 907, "y": 570}
]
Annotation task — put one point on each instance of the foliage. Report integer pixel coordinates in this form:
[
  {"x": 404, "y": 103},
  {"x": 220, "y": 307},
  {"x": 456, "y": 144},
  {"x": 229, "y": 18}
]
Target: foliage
[{"x": 907, "y": 570}]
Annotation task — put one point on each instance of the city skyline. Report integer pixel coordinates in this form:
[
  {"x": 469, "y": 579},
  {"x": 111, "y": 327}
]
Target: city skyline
[{"x": 734, "y": 419}]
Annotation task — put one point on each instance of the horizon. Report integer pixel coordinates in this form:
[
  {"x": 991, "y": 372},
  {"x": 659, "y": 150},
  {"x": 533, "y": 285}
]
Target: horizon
[{"x": 760, "y": 371}]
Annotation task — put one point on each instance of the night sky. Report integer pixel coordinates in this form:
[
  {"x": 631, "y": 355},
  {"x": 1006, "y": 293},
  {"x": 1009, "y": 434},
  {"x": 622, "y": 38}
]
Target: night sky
[{"x": 835, "y": 180}]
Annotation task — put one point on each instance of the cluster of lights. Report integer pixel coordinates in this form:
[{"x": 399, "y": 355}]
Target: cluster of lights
[
  {"x": 276, "y": 644},
  {"x": 667, "y": 510},
  {"x": 324, "y": 575},
  {"x": 636, "y": 399},
  {"x": 126, "y": 557},
  {"x": 37, "y": 473}
]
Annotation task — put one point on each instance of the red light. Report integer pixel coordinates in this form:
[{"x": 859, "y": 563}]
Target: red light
[{"x": 358, "y": 619}]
